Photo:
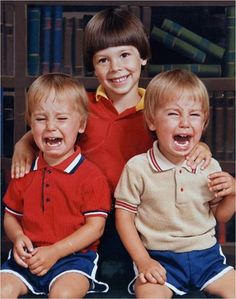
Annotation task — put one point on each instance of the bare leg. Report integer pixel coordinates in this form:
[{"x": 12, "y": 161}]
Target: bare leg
[
  {"x": 69, "y": 285},
  {"x": 12, "y": 286},
  {"x": 224, "y": 286},
  {"x": 151, "y": 290}
]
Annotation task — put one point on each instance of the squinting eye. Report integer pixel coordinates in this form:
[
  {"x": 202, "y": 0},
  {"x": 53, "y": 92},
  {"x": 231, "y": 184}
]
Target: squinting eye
[
  {"x": 39, "y": 119},
  {"x": 195, "y": 114},
  {"x": 62, "y": 118},
  {"x": 172, "y": 113}
]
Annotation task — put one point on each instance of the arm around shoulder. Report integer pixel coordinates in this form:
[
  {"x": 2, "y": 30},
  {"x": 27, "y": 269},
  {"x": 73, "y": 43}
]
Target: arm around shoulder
[{"x": 24, "y": 153}]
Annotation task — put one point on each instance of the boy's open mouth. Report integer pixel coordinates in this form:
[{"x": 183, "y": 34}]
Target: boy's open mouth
[
  {"x": 53, "y": 141},
  {"x": 182, "y": 139}
]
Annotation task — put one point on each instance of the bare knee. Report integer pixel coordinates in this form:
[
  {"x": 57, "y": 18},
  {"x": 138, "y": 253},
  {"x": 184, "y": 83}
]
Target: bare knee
[
  {"x": 69, "y": 286},
  {"x": 150, "y": 290},
  {"x": 11, "y": 286},
  {"x": 223, "y": 287}
]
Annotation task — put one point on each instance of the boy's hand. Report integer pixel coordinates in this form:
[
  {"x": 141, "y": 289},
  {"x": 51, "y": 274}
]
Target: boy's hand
[
  {"x": 199, "y": 155},
  {"x": 22, "y": 250},
  {"x": 222, "y": 184},
  {"x": 43, "y": 258},
  {"x": 22, "y": 159},
  {"x": 152, "y": 271}
]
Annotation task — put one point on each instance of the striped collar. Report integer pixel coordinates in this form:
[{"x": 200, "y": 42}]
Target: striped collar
[
  {"x": 159, "y": 162},
  {"x": 69, "y": 166},
  {"x": 101, "y": 93}
]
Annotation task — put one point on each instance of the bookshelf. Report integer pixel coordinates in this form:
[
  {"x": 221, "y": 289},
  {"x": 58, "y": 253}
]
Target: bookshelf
[{"x": 221, "y": 89}]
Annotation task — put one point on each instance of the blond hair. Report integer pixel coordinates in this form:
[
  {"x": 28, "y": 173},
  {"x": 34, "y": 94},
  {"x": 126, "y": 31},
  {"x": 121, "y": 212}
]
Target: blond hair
[
  {"x": 170, "y": 85},
  {"x": 64, "y": 87}
]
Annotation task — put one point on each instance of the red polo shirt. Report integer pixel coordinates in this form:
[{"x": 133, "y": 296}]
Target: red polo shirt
[
  {"x": 52, "y": 202},
  {"x": 111, "y": 139}
]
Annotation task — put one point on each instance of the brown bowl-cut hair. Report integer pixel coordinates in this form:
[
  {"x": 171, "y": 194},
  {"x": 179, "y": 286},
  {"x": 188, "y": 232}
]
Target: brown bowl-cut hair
[{"x": 111, "y": 28}]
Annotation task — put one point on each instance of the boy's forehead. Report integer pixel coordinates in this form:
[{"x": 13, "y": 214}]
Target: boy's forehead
[{"x": 116, "y": 49}]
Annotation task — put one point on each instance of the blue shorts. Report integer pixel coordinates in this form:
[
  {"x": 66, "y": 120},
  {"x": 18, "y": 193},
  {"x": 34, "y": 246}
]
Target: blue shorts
[
  {"x": 83, "y": 263},
  {"x": 189, "y": 270}
]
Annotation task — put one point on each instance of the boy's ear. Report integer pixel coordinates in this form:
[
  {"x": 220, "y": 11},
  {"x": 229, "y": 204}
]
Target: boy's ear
[
  {"x": 144, "y": 62},
  {"x": 82, "y": 126},
  {"x": 150, "y": 125}
]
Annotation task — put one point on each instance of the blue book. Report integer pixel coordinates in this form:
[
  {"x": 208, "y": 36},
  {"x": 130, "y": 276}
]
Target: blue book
[
  {"x": 34, "y": 41},
  {"x": 46, "y": 38},
  {"x": 57, "y": 38}
]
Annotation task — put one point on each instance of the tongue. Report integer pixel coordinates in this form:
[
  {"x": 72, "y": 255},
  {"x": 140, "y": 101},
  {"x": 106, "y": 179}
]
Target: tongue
[
  {"x": 53, "y": 141},
  {"x": 181, "y": 139}
]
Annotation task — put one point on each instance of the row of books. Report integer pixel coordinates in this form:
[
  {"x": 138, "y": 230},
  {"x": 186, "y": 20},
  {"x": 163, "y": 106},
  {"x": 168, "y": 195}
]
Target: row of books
[
  {"x": 7, "y": 39},
  {"x": 55, "y": 40},
  {"x": 55, "y": 37},
  {"x": 195, "y": 47}
]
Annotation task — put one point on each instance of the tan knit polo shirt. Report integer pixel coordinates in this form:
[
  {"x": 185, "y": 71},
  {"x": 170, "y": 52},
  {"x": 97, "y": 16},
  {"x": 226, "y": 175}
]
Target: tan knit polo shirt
[{"x": 170, "y": 202}]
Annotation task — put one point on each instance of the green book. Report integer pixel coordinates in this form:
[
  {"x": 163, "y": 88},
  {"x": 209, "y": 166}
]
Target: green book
[
  {"x": 229, "y": 59},
  {"x": 193, "y": 38},
  {"x": 201, "y": 70},
  {"x": 178, "y": 45}
]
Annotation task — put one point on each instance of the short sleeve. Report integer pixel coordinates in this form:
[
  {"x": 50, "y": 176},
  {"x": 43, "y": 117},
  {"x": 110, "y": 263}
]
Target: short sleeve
[
  {"x": 96, "y": 197},
  {"x": 13, "y": 198},
  {"x": 128, "y": 190}
]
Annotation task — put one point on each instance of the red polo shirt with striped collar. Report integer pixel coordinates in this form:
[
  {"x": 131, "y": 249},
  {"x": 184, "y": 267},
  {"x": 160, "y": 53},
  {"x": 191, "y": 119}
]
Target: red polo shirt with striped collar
[{"x": 53, "y": 201}]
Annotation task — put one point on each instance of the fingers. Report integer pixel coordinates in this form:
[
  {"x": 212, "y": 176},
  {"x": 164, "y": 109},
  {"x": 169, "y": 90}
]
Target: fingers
[
  {"x": 153, "y": 276},
  {"x": 221, "y": 183},
  {"x": 20, "y": 261},
  {"x": 18, "y": 170},
  {"x": 199, "y": 156}
]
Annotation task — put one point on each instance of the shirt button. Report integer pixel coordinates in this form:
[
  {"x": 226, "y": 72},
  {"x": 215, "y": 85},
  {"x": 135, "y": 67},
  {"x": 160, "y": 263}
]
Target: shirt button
[
  {"x": 47, "y": 185},
  {"x": 47, "y": 199},
  {"x": 49, "y": 171},
  {"x": 181, "y": 189},
  {"x": 180, "y": 171}
]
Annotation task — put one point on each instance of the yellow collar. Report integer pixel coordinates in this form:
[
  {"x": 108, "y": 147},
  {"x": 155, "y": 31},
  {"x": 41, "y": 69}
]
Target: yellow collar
[{"x": 101, "y": 93}]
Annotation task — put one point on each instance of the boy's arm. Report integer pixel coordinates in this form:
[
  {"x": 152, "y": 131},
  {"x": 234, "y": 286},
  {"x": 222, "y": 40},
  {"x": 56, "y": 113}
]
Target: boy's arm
[
  {"x": 22, "y": 244},
  {"x": 24, "y": 153},
  {"x": 149, "y": 269},
  {"x": 200, "y": 155},
  {"x": 45, "y": 257},
  {"x": 223, "y": 185}
]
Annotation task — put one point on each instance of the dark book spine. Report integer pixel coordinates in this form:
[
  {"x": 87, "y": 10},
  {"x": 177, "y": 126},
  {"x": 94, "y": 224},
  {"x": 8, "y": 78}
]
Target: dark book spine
[
  {"x": 57, "y": 38},
  {"x": 78, "y": 46},
  {"x": 229, "y": 59},
  {"x": 7, "y": 123},
  {"x": 46, "y": 38},
  {"x": 9, "y": 39},
  {"x": 182, "y": 47},
  {"x": 3, "y": 41},
  {"x": 34, "y": 41},
  {"x": 67, "y": 44}
]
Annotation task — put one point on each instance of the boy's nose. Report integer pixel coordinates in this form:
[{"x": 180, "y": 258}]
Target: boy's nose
[
  {"x": 115, "y": 65},
  {"x": 184, "y": 121},
  {"x": 50, "y": 125}
]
